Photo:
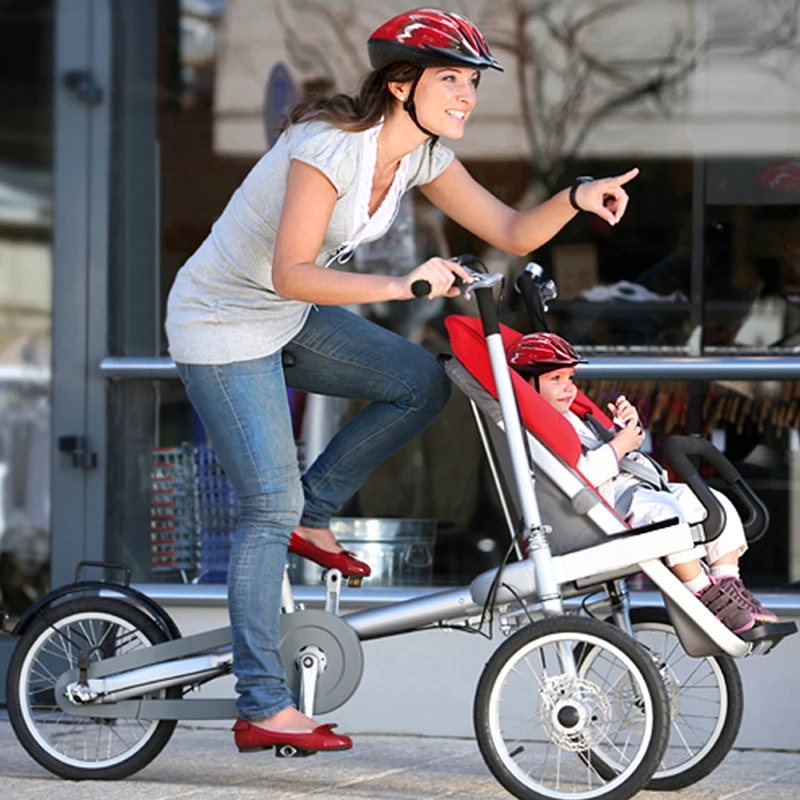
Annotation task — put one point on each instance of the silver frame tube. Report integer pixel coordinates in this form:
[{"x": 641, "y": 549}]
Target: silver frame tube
[
  {"x": 413, "y": 614},
  {"x": 547, "y": 586},
  {"x": 145, "y": 680}
]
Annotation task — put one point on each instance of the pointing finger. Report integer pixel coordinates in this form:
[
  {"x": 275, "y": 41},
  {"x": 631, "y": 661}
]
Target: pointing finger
[{"x": 627, "y": 176}]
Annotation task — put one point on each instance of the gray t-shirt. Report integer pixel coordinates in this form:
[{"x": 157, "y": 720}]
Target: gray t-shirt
[{"x": 223, "y": 307}]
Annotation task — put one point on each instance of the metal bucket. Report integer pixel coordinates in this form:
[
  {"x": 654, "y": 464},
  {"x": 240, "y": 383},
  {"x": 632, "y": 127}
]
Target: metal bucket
[{"x": 399, "y": 551}]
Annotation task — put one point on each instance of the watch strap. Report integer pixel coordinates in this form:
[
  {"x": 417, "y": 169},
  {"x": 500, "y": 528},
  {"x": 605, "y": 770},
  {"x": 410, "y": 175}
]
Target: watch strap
[{"x": 573, "y": 192}]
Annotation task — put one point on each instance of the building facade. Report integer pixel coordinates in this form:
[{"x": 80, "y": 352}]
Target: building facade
[{"x": 125, "y": 127}]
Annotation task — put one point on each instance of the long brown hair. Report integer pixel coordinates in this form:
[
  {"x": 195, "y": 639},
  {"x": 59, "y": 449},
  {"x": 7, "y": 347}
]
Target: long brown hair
[{"x": 360, "y": 111}]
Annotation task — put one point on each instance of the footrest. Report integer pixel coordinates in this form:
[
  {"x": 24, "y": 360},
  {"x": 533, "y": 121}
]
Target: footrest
[{"x": 765, "y": 638}]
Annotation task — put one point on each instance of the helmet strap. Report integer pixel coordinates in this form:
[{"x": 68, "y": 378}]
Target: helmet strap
[{"x": 410, "y": 107}]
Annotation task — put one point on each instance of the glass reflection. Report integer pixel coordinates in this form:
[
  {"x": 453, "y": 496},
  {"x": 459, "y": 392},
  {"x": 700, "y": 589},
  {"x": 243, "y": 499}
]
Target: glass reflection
[
  {"x": 700, "y": 96},
  {"x": 26, "y": 30}
]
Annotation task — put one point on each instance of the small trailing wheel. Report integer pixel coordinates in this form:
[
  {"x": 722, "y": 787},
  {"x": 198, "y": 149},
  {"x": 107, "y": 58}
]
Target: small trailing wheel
[
  {"x": 81, "y": 747},
  {"x": 706, "y": 703},
  {"x": 538, "y": 719}
]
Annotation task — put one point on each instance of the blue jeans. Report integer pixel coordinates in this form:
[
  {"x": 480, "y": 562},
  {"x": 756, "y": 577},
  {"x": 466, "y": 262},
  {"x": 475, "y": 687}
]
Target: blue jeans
[{"x": 245, "y": 410}]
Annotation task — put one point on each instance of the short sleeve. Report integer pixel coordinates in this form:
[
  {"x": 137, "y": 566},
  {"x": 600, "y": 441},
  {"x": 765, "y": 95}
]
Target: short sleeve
[
  {"x": 428, "y": 163},
  {"x": 330, "y": 150}
]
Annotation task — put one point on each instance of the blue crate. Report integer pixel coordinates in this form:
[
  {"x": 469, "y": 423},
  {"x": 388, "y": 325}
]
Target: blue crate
[
  {"x": 217, "y": 514},
  {"x": 217, "y": 503}
]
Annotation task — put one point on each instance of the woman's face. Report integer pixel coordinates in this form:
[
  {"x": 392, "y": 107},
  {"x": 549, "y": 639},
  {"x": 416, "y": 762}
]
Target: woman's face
[
  {"x": 558, "y": 389},
  {"x": 444, "y": 98}
]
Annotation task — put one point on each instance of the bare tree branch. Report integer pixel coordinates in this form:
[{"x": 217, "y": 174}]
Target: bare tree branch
[{"x": 338, "y": 26}]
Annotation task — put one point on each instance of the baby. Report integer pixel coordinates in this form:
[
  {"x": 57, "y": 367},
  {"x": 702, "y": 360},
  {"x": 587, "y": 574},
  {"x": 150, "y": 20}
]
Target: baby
[{"x": 637, "y": 487}]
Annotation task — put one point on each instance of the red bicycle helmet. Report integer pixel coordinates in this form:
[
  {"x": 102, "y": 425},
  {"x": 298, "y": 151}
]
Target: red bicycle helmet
[
  {"x": 537, "y": 353},
  {"x": 427, "y": 37}
]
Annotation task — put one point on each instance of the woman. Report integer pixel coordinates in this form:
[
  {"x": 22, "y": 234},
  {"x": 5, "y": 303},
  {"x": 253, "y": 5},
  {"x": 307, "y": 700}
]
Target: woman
[{"x": 258, "y": 288}]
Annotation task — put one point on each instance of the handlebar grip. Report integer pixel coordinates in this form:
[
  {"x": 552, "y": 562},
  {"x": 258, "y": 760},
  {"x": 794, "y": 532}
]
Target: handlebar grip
[{"x": 421, "y": 288}]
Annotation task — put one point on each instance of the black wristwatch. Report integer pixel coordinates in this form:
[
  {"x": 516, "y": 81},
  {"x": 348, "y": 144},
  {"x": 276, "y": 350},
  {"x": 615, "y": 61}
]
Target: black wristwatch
[{"x": 574, "y": 190}]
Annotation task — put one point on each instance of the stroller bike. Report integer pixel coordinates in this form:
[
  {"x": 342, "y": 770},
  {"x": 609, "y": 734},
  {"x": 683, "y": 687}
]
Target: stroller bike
[{"x": 587, "y": 705}]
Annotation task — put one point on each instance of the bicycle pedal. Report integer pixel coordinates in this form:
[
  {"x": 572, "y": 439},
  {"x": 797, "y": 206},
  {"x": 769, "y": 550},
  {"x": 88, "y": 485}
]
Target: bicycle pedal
[{"x": 290, "y": 751}]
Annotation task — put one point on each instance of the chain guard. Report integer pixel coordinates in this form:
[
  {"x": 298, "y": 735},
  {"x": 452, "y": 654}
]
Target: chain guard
[{"x": 343, "y": 654}]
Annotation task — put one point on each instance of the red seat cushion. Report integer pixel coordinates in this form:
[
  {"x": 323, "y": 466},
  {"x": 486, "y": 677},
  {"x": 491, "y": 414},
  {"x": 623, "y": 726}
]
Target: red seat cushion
[{"x": 538, "y": 416}]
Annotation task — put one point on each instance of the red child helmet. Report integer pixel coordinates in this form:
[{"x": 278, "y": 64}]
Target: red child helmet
[
  {"x": 537, "y": 353},
  {"x": 428, "y": 37}
]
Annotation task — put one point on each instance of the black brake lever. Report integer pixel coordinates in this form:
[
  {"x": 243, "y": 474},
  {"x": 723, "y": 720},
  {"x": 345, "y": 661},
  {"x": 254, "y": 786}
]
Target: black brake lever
[{"x": 530, "y": 285}]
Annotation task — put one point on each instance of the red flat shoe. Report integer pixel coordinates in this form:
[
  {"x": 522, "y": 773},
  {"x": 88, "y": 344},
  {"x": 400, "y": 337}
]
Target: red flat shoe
[
  {"x": 345, "y": 562},
  {"x": 249, "y": 737}
]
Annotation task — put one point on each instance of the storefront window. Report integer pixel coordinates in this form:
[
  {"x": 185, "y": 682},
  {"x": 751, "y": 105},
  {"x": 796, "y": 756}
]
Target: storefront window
[
  {"x": 26, "y": 63},
  {"x": 698, "y": 96}
]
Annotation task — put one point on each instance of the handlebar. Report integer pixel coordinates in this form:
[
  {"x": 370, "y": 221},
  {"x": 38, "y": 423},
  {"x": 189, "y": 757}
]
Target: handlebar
[
  {"x": 536, "y": 292},
  {"x": 480, "y": 280},
  {"x": 678, "y": 448}
]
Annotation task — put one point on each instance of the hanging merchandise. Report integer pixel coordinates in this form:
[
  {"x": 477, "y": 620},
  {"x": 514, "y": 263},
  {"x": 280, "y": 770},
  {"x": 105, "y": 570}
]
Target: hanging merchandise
[{"x": 737, "y": 414}]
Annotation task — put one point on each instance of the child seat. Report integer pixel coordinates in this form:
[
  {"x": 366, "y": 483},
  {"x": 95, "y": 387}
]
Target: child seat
[
  {"x": 584, "y": 527},
  {"x": 563, "y": 493}
]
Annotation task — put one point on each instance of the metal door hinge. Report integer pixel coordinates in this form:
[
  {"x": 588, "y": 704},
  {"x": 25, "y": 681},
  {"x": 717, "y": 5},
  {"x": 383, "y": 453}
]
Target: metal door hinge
[
  {"x": 82, "y": 84},
  {"x": 75, "y": 446}
]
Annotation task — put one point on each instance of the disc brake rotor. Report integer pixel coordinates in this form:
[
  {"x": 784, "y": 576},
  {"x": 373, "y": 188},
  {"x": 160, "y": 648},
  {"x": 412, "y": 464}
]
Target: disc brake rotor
[{"x": 576, "y": 713}]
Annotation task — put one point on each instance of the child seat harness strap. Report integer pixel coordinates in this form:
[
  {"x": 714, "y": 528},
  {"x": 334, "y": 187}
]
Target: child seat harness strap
[{"x": 646, "y": 469}]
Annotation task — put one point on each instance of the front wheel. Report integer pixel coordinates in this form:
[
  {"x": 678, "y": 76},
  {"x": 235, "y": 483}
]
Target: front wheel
[
  {"x": 539, "y": 721},
  {"x": 79, "y": 747}
]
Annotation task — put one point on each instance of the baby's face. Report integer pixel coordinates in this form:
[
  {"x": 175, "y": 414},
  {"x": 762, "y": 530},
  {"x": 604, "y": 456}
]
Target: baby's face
[{"x": 558, "y": 389}]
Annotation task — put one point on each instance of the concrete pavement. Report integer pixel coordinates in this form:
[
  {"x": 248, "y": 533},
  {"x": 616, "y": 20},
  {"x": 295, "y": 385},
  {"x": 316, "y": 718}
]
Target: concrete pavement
[{"x": 202, "y": 763}]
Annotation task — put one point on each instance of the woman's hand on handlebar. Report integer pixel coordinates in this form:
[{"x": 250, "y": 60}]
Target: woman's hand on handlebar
[{"x": 440, "y": 274}]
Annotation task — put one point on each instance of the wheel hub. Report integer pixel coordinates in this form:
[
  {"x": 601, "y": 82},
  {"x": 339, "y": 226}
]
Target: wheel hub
[{"x": 576, "y": 713}]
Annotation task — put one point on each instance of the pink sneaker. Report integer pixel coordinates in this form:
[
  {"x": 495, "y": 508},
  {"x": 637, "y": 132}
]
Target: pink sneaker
[
  {"x": 761, "y": 614},
  {"x": 726, "y": 601}
]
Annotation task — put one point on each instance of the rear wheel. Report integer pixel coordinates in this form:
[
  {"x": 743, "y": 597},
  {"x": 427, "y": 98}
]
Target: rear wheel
[
  {"x": 538, "y": 720},
  {"x": 80, "y": 747},
  {"x": 706, "y": 702}
]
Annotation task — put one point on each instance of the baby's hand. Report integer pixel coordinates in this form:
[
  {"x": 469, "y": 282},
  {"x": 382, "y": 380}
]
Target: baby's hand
[
  {"x": 627, "y": 440},
  {"x": 624, "y": 412}
]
